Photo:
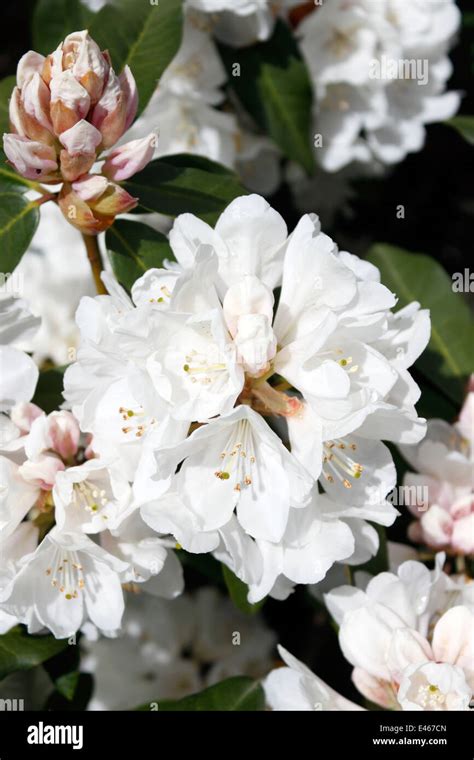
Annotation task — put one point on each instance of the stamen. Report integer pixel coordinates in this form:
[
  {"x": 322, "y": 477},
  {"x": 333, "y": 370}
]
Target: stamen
[
  {"x": 199, "y": 370},
  {"x": 87, "y": 496},
  {"x": 339, "y": 463},
  {"x": 143, "y": 421},
  {"x": 430, "y": 696},
  {"x": 238, "y": 457},
  {"x": 67, "y": 573}
]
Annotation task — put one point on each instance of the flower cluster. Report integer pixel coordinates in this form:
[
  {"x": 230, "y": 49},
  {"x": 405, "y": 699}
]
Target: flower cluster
[
  {"x": 256, "y": 405},
  {"x": 66, "y": 109},
  {"x": 379, "y": 72},
  {"x": 49, "y": 476},
  {"x": 410, "y": 637},
  {"x": 444, "y": 461}
]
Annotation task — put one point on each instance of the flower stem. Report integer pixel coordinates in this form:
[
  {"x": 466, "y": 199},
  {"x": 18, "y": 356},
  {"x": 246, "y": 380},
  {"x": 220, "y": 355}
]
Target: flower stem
[
  {"x": 45, "y": 197},
  {"x": 93, "y": 254}
]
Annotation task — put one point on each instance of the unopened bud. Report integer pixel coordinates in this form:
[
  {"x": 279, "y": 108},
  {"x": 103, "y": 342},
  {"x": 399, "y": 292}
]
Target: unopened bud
[
  {"x": 130, "y": 158},
  {"x": 31, "y": 159}
]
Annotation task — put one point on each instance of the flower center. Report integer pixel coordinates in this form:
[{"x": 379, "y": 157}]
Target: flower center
[
  {"x": 166, "y": 294},
  {"x": 238, "y": 457},
  {"x": 339, "y": 464},
  {"x": 138, "y": 421},
  {"x": 66, "y": 573},
  {"x": 340, "y": 43},
  {"x": 430, "y": 697},
  {"x": 87, "y": 496},
  {"x": 200, "y": 370}
]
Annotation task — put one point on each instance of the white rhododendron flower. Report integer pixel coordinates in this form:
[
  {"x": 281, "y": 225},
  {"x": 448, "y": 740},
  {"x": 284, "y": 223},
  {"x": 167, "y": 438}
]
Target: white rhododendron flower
[
  {"x": 49, "y": 477},
  {"x": 239, "y": 22},
  {"x": 444, "y": 461},
  {"x": 53, "y": 285},
  {"x": 68, "y": 579},
  {"x": 410, "y": 637},
  {"x": 295, "y": 687},
  {"x": 379, "y": 72},
  {"x": 19, "y": 373},
  {"x": 178, "y": 382}
]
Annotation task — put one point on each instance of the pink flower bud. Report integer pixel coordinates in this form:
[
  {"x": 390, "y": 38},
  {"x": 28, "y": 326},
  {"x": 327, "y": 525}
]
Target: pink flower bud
[
  {"x": 130, "y": 158},
  {"x": 129, "y": 89},
  {"x": 70, "y": 102},
  {"x": 29, "y": 64},
  {"x": 53, "y": 65},
  {"x": 35, "y": 99},
  {"x": 67, "y": 108},
  {"x": 92, "y": 206},
  {"x": 110, "y": 113},
  {"x": 15, "y": 113},
  {"x": 31, "y": 159},
  {"x": 63, "y": 434},
  {"x": 91, "y": 187},
  {"x": 42, "y": 471},
  {"x": 90, "y": 67},
  {"x": 24, "y": 414},
  {"x": 83, "y": 137},
  {"x": 73, "y": 167},
  {"x": 81, "y": 142},
  {"x": 115, "y": 200}
]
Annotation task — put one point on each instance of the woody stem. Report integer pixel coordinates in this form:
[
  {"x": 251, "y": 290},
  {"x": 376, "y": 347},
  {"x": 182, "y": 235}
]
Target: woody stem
[{"x": 93, "y": 254}]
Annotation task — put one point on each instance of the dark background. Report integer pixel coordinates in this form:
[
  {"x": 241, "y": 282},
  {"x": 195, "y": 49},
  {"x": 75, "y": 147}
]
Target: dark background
[{"x": 436, "y": 186}]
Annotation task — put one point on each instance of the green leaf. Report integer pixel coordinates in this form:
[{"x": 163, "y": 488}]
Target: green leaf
[
  {"x": 63, "y": 669},
  {"x": 234, "y": 694},
  {"x": 447, "y": 361},
  {"x": 6, "y": 87},
  {"x": 133, "y": 248},
  {"x": 274, "y": 86},
  {"x": 20, "y": 651},
  {"x": 185, "y": 184},
  {"x": 18, "y": 222},
  {"x": 53, "y": 20},
  {"x": 464, "y": 125},
  {"x": 10, "y": 181},
  {"x": 238, "y": 591},
  {"x": 82, "y": 694},
  {"x": 49, "y": 389},
  {"x": 142, "y": 35}
]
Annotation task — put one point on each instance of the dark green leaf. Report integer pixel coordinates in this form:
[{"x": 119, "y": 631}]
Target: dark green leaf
[
  {"x": 53, "y": 20},
  {"x": 18, "y": 221},
  {"x": 464, "y": 125},
  {"x": 178, "y": 184},
  {"x": 11, "y": 182},
  {"x": 234, "y": 694},
  {"x": 49, "y": 390},
  {"x": 20, "y": 651},
  {"x": 274, "y": 86},
  {"x": 82, "y": 694},
  {"x": 447, "y": 362},
  {"x": 238, "y": 591},
  {"x": 6, "y": 87},
  {"x": 133, "y": 248},
  {"x": 142, "y": 35},
  {"x": 63, "y": 669}
]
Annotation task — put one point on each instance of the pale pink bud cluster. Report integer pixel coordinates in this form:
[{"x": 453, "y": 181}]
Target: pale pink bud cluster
[
  {"x": 52, "y": 443},
  {"x": 66, "y": 110}
]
